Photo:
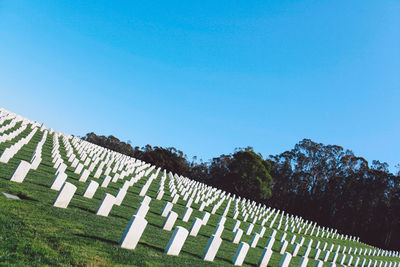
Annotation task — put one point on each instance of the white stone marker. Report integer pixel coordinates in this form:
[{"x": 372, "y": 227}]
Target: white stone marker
[
  {"x": 273, "y": 234},
  {"x": 84, "y": 176},
  {"x": 186, "y": 215},
  {"x": 78, "y": 168},
  {"x": 166, "y": 209},
  {"x": 319, "y": 263},
  {"x": 205, "y": 218},
  {"x": 241, "y": 254},
  {"x": 293, "y": 239},
  {"x": 283, "y": 247},
  {"x": 212, "y": 248},
  {"x": 326, "y": 255},
  {"x": 222, "y": 220},
  {"x": 265, "y": 257},
  {"x": 307, "y": 252},
  {"x": 237, "y": 236},
  {"x": 270, "y": 243},
  {"x": 20, "y": 172},
  {"x": 335, "y": 256},
  {"x": 6, "y": 155},
  {"x": 303, "y": 262},
  {"x": 170, "y": 221},
  {"x": 177, "y": 240},
  {"x": 91, "y": 189},
  {"x": 133, "y": 232},
  {"x": 106, "y": 205},
  {"x": 262, "y": 231},
  {"x": 120, "y": 196},
  {"x": 175, "y": 199},
  {"x": 61, "y": 168},
  {"x": 65, "y": 195},
  {"x": 317, "y": 252},
  {"x": 350, "y": 260},
  {"x": 236, "y": 226},
  {"x": 285, "y": 260},
  {"x": 249, "y": 229},
  {"x": 142, "y": 209},
  {"x": 283, "y": 237},
  {"x": 194, "y": 230},
  {"x": 58, "y": 181},
  {"x": 160, "y": 195},
  {"x": 296, "y": 249},
  {"x": 254, "y": 240},
  {"x": 106, "y": 181},
  {"x": 218, "y": 230}
]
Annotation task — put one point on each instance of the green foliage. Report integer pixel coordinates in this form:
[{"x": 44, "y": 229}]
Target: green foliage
[{"x": 248, "y": 176}]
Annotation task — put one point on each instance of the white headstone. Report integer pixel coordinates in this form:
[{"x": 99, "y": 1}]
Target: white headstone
[
  {"x": 186, "y": 214},
  {"x": 303, "y": 262},
  {"x": 296, "y": 249},
  {"x": 265, "y": 257},
  {"x": 241, "y": 254},
  {"x": 205, "y": 218},
  {"x": 170, "y": 221},
  {"x": 285, "y": 260},
  {"x": 133, "y": 232},
  {"x": 218, "y": 230},
  {"x": 175, "y": 199},
  {"x": 20, "y": 172},
  {"x": 142, "y": 209},
  {"x": 91, "y": 189},
  {"x": 212, "y": 248},
  {"x": 160, "y": 195},
  {"x": 120, "y": 196},
  {"x": 58, "y": 181},
  {"x": 106, "y": 181},
  {"x": 177, "y": 240},
  {"x": 237, "y": 236},
  {"x": 197, "y": 223},
  {"x": 65, "y": 195},
  {"x": 270, "y": 243},
  {"x": 249, "y": 229},
  {"x": 316, "y": 255},
  {"x": 84, "y": 176},
  {"x": 166, "y": 209},
  {"x": 283, "y": 247},
  {"x": 106, "y": 205},
  {"x": 236, "y": 226},
  {"x": 254, "y": 240}
]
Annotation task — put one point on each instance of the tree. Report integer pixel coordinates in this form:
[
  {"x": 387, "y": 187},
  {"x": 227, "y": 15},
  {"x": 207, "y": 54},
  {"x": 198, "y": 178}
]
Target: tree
[{"x": 249, "y": 175}]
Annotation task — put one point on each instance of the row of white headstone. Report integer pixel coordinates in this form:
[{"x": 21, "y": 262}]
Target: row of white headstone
[{"x": 179, "y": 186}]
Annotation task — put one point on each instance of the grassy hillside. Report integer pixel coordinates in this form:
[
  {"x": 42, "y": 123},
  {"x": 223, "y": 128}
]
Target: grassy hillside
[{"x": 33, "y": 232}]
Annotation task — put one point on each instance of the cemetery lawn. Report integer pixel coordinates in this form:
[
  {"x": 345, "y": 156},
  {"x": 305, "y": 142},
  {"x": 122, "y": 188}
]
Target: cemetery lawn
[{"x": 33, "y": 232}]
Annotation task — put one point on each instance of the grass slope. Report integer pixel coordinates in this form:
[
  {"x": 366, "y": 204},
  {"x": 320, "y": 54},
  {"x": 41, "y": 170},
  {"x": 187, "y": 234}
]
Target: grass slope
[{"x": 34, "y": 233}]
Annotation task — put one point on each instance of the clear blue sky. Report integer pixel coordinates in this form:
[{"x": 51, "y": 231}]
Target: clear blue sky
[{"x": 208, "y": 76}]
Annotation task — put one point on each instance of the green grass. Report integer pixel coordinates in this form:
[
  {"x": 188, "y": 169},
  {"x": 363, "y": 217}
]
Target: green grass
[{"x": 34, "y": 233}]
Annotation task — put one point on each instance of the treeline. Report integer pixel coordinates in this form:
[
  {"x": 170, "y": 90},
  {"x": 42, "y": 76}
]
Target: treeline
[{"x": 323, "y": 183}]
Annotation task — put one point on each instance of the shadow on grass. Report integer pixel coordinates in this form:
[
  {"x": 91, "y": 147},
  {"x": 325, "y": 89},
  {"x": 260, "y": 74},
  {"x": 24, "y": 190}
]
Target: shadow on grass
[
  {"x": 151, "y": 246},
  {"x": 25, "y": 197},
  {"x": 84, "y": 209},
  {"x": 250, "y": 263},
  {"x": 98, "y": 239},
  {"x": 223, "y": 259},
  {"x": 192, "y": 254}
]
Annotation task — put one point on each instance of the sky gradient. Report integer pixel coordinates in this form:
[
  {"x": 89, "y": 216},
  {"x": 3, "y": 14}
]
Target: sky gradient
[{"x": 208, "y": 76}]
